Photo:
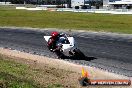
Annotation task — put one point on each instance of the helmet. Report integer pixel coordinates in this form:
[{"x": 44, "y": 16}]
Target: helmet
[{"x": 54, "y": 34}]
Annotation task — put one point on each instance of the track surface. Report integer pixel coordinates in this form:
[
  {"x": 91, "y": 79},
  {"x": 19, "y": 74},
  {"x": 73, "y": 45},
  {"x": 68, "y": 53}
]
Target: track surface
[{"x": 110, "y": 52}]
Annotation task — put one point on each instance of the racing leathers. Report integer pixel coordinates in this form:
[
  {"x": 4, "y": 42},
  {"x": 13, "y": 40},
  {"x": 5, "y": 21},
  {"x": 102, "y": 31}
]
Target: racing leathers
[
  {"x": 55, "y": 43},
  {"x": 52, "y": 43}
]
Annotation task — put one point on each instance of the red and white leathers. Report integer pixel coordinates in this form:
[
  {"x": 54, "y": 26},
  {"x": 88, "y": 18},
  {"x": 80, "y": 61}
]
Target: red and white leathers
[{"x": 53, "y": 40}]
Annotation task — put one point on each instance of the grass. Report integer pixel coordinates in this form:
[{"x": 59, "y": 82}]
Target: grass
[
  {"x": 14, "y": 75},
  {"x": 20, "y": 75},
  {"x": 66, "y": 20}
]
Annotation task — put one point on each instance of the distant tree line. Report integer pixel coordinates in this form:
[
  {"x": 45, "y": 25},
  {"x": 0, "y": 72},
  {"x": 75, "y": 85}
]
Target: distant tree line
[
  {"x": 17, "y": 1},
  {"x": 37, "y": 1},
  {"x": 96, "y": 3},
  {"x": 22, "y": 1}
]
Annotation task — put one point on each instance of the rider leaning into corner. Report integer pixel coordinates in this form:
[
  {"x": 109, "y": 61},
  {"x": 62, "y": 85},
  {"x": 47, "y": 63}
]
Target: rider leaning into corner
[{"x": 54, "y": 39}]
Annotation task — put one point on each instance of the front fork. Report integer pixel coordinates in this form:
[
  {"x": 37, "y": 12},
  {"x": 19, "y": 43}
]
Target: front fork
[{"x": 72, "y": 51}]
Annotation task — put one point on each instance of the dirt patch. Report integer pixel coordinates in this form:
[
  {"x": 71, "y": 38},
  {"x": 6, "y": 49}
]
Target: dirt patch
[{"x": 60, "y": 71}]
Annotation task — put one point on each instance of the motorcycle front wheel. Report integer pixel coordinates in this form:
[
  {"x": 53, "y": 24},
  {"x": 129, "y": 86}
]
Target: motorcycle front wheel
[{"x": 59, "y": 54}]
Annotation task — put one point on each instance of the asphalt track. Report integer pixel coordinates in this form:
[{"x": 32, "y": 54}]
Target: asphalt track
[{"x": 111, "y": 52}]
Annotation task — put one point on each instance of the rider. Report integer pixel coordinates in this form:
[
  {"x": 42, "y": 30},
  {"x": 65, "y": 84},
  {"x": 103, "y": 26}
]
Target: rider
[{"x": 53, "y": 40}]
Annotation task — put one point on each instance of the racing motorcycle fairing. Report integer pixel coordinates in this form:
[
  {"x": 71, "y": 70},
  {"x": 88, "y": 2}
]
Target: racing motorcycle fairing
[{"x": 65, "y": 46}]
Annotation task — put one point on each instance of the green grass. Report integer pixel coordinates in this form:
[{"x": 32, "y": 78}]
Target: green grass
[
  {"x": 15, "y": 75},
  {"x": 66, "y": 20},
  {"x": 18, "y": 75}
]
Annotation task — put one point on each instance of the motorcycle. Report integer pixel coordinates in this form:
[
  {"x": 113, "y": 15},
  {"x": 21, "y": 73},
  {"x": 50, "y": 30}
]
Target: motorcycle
[{"x": 67, "y": 48}]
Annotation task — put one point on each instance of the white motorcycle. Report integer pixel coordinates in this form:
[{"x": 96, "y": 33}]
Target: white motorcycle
[{"x": 67, "y": 49}]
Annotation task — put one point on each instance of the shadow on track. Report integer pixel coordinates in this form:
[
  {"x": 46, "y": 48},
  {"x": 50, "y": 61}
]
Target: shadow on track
[
  {"x": 81, "y": 58},
  {"x": 76, "y": 56}
]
